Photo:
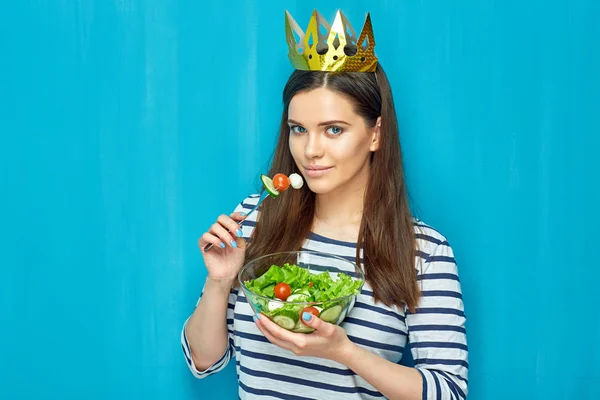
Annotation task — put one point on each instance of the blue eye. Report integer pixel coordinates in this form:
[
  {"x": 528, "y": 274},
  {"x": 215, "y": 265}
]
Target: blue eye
[
  {"x": 334, "y": 130},
  {"x": 297, "y": 129}
]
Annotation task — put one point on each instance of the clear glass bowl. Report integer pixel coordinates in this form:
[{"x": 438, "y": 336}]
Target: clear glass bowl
[{"x": 333, "y": 311}]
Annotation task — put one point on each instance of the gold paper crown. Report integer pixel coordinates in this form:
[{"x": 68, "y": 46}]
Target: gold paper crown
[{"x": 334, "y": 49}]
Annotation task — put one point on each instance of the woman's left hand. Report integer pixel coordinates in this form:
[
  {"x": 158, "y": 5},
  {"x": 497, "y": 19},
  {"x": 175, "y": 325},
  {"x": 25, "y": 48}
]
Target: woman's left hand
[{"x": 327, "y": 341}]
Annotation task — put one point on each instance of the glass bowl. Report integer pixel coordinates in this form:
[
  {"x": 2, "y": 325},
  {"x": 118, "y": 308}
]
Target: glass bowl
[{"x": 288, "y": 314}]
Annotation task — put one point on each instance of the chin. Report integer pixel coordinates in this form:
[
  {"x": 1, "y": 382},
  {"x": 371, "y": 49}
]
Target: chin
[{"x": 319, "y": 187}]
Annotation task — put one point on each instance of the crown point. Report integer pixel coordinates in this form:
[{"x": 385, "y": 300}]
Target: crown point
[{"x": 331, "y": 48}]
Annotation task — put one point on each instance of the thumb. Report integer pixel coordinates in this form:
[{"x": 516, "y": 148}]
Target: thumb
[{"x": 316, "y": 323}]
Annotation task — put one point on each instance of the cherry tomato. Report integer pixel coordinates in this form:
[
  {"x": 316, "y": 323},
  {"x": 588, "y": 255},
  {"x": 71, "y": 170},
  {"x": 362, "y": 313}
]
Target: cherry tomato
[
  {"x": 282, "y": 291},
  {"x": 281, "y": 182},
  {"x": 311, "y": 310},
  {"x": 310, "y": 284}
]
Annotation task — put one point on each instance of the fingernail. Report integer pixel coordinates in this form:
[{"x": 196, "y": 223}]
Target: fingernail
[
  {"x": 239, "y": 233},
  {"x": 306, "y": 316},
  {"x": 233, "y": 244},
  {"x": 243, "y": 214},
  {"x": 257, "y": 316},
  {"x": 222, "y": 245},
  {"x": 254, "y": 318}
]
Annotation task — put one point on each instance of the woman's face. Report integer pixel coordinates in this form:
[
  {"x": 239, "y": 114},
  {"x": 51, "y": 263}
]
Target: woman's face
[{"x": 329, "y": 142}]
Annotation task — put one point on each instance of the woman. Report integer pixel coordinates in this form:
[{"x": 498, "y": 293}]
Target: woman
[{"x": 339, "y": 131}]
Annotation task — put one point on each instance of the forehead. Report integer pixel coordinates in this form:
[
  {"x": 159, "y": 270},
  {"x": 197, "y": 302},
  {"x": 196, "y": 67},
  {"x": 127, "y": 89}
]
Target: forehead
[{"x": 320, "y": 105}]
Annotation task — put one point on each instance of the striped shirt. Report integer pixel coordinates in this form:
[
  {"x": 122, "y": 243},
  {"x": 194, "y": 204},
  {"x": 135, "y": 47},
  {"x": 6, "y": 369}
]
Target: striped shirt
[{"x": 435, "y": 333}]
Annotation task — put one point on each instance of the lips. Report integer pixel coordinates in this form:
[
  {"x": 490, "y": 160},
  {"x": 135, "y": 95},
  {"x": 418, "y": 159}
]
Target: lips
[
  {"x": 316, "y": 167},
  {"x": 316, "y": 171}
]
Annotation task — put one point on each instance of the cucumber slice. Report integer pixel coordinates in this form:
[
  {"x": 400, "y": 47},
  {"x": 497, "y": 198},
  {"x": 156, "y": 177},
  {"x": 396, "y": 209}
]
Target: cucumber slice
[
  {"x": 268, "y": 184},
  {"x": 331, "y": 314},
  {"x": 298, "y": 298},
  {"x": 274, "y": 305},
  {"x": 286, "y": 319},
  {"x": 301, "y": 328},
  {"x": 302, "y": 291},
  {"x": 290, "y": 313}
]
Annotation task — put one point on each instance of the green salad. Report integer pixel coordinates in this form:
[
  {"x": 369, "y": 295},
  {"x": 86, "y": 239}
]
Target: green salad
[{"x": 292, "y": 284}]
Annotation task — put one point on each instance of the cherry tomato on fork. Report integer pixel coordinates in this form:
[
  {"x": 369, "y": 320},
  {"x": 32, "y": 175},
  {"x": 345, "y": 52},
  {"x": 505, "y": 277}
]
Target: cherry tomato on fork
[{"x": 281, "y": 182}]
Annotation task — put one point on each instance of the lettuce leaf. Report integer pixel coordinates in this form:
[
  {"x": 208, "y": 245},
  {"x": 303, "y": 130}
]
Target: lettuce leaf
[{"x": 324, "y": 288}]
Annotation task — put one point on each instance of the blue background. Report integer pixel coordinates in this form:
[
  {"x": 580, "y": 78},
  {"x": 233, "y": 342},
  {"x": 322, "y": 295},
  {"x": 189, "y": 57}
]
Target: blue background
[{"x": 128, "y": 126}]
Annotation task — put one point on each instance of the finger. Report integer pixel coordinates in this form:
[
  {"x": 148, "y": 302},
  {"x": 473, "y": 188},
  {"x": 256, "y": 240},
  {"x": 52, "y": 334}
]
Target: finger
[
  {"x": 238, "y": 216},
  {"x": 207, "y": 239},
  {"x": 260, "y": 323},
  {"x": 317, "y": 323},
  {"x": 225, "y": 237},
  {"x": 230, "y": 224},
  {"x": 241, "y": 243}
]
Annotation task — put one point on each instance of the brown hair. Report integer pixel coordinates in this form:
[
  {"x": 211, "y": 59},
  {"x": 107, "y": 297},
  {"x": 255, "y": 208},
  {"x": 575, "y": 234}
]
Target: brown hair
[{"x": 386, "y": 232}]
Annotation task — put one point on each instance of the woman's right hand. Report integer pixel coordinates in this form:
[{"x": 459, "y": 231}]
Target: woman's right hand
[{"x": 224, "y": 260}]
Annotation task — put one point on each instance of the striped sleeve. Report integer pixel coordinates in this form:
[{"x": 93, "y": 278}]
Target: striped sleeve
[
  {"x": 437, "y": 331},
  {"x": 229, "y": 351},
  {"x": 222, "y": 362}
]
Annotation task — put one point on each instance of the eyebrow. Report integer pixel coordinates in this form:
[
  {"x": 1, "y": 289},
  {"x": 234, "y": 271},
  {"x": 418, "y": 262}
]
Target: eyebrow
[{"x": 325, "y": 123}]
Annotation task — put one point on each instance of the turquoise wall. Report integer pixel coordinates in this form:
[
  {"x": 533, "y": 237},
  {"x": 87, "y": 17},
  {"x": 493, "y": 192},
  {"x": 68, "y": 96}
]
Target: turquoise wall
[{"x": 128, "y": 126}]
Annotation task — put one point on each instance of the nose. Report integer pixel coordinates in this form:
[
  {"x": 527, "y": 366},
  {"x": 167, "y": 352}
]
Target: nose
[{"x": 313, "y": 147}]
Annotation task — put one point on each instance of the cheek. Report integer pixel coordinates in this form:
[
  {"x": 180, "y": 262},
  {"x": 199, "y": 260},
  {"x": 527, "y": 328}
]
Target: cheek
[
  {"x": 294, "y": 147},
  {"x": 348, "y": 151}
]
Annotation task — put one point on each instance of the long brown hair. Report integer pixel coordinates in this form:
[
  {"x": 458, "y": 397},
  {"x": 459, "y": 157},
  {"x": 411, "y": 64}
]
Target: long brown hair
[{"x": 386, "y": 233}]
